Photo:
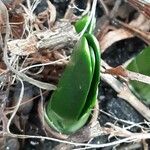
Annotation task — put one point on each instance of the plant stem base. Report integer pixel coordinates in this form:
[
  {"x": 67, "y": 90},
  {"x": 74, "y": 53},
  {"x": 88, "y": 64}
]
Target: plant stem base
[{"x": 53, "y": 133}]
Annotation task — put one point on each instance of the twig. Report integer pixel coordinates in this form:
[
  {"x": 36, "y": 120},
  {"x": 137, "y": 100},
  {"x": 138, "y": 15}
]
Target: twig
[
  {"x": 118, "y": 131},
  {"x": 129, "y": 75},
  {"x": 134, "y": 137},
  {"x": 138, "y": 77}
]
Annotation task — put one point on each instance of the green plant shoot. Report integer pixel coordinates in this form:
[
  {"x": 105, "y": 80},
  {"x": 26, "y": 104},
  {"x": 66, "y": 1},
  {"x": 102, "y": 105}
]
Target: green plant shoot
[
  {"x": 141, "y": 64},
  {"x": 71, "y": 104}
]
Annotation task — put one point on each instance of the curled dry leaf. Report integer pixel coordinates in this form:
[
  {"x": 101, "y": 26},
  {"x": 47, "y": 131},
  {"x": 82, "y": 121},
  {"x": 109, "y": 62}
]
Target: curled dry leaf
[
  {"x": 114, "y": 36},
  {"x": 135, "y": 28},
  {"x": 139, "y": 32}
]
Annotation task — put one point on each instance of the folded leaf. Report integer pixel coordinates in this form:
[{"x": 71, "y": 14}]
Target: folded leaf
[
  {"x": 92, "y": 96},
  {"x": 71, "y": 104},
  {"x": 68, "y": 100}
]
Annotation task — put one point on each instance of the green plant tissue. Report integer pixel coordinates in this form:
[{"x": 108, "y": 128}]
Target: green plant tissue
[{"x": 141, "y": 64}]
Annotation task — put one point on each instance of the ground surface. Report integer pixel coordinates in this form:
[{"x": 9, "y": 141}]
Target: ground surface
[{"x": 42, "y": 32}]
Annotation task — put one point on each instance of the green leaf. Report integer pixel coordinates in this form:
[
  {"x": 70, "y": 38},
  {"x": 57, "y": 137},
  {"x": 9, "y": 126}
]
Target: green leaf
[
  {"x": 74, "y": 84},
  {"x": 92, "y": 96},
  {"x": 81, "y": 23},
  {"x": 141, "y": 64},
  {"x": 70, "y": 97},
  {"x": 71, "y": 104}
]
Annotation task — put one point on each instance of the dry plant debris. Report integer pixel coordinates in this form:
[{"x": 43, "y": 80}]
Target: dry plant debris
[{"x": 36, "y": 49}]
